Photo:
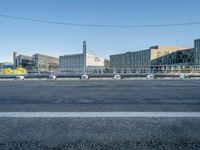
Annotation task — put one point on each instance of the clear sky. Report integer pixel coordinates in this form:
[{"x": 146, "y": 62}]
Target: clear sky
[{"x": 30, "y": 38}]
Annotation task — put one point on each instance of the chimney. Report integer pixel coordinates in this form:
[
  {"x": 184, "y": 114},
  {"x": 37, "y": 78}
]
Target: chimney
[{"x": 84, "y": 56}]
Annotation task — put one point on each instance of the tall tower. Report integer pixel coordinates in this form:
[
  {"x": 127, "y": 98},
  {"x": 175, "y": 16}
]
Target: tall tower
[
  {"x": 197, "y": 52},
  {"x": 84, "y": 56},
  {"x": 15, "y": 61}
]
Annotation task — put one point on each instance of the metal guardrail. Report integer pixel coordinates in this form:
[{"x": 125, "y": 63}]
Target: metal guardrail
[{"x": 109, "y": 75}]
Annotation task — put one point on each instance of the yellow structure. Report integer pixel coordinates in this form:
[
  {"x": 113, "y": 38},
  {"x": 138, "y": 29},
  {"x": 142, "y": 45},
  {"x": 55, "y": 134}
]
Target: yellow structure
[
  {"x": 17, "y": 71},
  {"x": 20, "y": 71},
  {"x": 7, "y": 71}
]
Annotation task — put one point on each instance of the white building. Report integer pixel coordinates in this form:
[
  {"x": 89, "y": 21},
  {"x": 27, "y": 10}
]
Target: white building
[
  {"x": 93, "y": 60},
  {"x": 75, "y": 63}
]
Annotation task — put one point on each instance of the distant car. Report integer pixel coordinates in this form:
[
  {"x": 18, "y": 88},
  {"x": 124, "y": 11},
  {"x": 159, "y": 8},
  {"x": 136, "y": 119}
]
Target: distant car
[
  {"x": 117, "y": 77},
  {"x": 84, "y": 77},
  {"x": 20, "y": 78},
  {"x": 183, "y": 76},
  {"x": 52, "y": 77},
  {"x": 150, "y": 76}
]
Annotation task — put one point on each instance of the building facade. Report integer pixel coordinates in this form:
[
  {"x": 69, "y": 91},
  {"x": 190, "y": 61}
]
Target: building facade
[
  {"x": 107, "y": 63},
  {"x": 94, "y": 64},
  {"x": 71, "y": 63},
  {"x": 181, "y": 59},
  {"x": 37, "y": 62},
  {"x": 1, "y": 68},
  {"x": 45, "y": 63},
  {"x": 169, "y": 58},
  {"x": 154, "y": 58},
  {"x": 93, "y": 60},
  {"x": 23, "y": 61},
  {"x": 161, "y": 51},
  {"x": 130, "y": 62},
  {"x": 75, "y": 63}
]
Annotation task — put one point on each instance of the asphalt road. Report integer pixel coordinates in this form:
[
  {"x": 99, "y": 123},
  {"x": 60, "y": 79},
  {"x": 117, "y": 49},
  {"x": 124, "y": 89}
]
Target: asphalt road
[
  {"x": 107, "y": 95},
  {"x": 100, "y": 133}
]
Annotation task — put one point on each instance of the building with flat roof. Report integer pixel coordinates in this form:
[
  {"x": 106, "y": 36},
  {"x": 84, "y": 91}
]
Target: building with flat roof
[
  {"x": 23, "y": 61},
  {"x": 181, "y": 59},
  {"x": 130, "y": 61},
  {"x": 160, "y": 51},
  {"x": 45, "y": 63},
  {"x": 154, "y": 57},
  {"x": 71, "y": 63},
  {"x": 75, "y": 63},
  {"x": 37, "y": 62},
  {"x": 81, "y": 63},
  {"x": 93, "y": 60},
  {"x": 94, "y": 64}
]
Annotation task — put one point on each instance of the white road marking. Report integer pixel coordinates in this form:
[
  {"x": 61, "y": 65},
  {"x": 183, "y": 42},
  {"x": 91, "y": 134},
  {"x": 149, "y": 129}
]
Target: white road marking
[
  {"x": 182, "y": 84},
  {"x": 97, "y": 114}
]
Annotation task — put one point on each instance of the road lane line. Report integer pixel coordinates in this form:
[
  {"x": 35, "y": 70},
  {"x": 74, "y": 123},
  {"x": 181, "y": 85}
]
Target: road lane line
[{"x": 98, "y": 114}]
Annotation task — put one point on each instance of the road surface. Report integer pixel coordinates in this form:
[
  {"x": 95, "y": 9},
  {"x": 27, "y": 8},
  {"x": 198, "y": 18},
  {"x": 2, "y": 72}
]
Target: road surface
[{"x": 173, "y": 120}]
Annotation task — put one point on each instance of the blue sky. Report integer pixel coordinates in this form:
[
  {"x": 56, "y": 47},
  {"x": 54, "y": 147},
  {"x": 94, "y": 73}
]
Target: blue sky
[{"x": 30, "y": 38}]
